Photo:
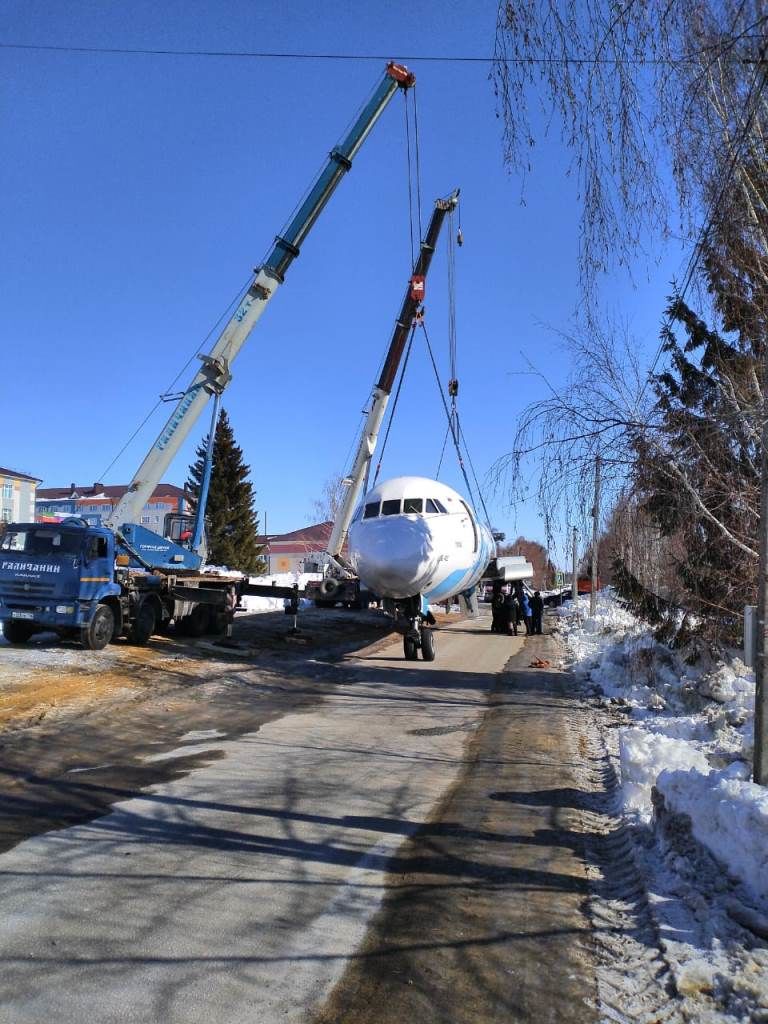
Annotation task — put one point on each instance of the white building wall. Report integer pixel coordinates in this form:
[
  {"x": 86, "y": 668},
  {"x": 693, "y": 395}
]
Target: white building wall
[{"x": 17, "y": 499}]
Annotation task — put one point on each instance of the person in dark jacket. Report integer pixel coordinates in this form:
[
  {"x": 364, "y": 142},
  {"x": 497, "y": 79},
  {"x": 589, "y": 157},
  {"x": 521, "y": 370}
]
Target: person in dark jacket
[
  {"x": 510, "y": 614},
  {"x": 498, "y": 620},
  {"x": 537, "y": 611}
]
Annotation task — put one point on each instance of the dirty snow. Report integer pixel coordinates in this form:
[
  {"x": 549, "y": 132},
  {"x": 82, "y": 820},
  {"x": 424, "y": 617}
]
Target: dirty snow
[{"x": 685, "y": 748}]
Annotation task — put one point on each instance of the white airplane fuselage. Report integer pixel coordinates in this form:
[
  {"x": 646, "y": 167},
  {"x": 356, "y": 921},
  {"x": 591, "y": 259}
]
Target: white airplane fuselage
[{"x": 413, "y": 537}]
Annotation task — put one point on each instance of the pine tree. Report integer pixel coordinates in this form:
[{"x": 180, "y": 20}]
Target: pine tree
[
  {"x": 697, "y": 477},
  {"x": 233, "y": 523}
]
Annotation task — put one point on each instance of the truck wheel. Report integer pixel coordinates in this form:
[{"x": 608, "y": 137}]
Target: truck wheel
[
  {"x": 17, "y": 632},
  {"x": 144, "y": 623},
  {"x": 98, "y": 633},
  {"x": 410, "y": 648},
  {"x": 428, "y": 645}
]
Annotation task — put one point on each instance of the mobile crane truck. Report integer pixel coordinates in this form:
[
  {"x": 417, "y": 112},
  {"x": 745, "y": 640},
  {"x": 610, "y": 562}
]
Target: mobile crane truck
[
  {"x": 340, "y": 584},
  {"x": 121, "y": 579}
]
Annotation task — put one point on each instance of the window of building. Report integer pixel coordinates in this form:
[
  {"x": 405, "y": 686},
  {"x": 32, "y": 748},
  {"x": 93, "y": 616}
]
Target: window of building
[
  {"x": 145, "y": 520},
  {"x": 391, "y": 507},
  {"x": 6, "y": 515},
  {"x": 7, "y": 489}
]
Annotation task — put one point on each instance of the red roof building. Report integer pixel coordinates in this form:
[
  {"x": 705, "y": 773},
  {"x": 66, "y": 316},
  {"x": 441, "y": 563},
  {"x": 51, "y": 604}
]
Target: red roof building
[
  {"x": 298, "y": 551},
  {"x": 94, "y": 502}
]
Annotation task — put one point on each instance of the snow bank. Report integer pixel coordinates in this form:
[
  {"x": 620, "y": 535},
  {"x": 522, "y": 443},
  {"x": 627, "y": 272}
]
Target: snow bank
[
  {"x": 253, "y": 604},
  {"x": 690, "y": 732},
  {"x": 729, "y": 815},
  {"x": 643, "y": 756}
]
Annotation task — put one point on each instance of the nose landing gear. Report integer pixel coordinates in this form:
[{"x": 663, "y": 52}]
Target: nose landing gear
[{"x": 418, "y": 637}]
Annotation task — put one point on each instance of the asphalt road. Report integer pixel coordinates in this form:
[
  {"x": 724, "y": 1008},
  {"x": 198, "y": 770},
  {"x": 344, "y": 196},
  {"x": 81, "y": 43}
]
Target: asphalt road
[{"x": 404, "y": 846}]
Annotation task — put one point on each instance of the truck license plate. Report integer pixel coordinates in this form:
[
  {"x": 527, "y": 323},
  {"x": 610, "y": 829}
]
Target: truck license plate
[{"x": 22, "y": 615}]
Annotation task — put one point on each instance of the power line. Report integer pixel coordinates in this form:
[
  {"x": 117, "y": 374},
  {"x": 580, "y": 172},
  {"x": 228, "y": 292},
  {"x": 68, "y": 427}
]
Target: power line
[{"x": 427, "y": 57}]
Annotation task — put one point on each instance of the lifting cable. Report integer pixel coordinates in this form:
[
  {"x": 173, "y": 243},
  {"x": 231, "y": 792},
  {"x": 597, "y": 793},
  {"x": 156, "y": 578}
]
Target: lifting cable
[
  {"x": 451, "y": 424},
  {"x": 413, "y": 168},
  {"x": 456, "y": 433},
  {"x": 394, "y": 406}
]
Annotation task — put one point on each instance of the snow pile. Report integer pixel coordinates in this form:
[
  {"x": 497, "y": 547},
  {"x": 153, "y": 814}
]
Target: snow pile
[
  {"x": 643, "y": 755},
  {"x": 729, "y": 815},
  {"x": 251, "y": 603},
  {"x": 690, "y": 732}
]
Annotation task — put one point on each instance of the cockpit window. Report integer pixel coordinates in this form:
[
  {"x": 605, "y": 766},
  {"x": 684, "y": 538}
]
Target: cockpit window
[
  {"x": 371, "y": 510},
  {"x": 433, "y": 505},
  {"x": 411, "y": 505},
  {"x": 358, "y": 514},
  {"x": 390, "y": 507}
]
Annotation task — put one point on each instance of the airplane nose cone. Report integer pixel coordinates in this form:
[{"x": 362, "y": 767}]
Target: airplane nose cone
[{"x": 395, "y": 556}]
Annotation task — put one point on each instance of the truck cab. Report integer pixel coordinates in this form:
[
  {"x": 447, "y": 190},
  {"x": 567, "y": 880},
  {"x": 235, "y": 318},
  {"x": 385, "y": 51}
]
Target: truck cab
[{"x": 56, "y": 577}]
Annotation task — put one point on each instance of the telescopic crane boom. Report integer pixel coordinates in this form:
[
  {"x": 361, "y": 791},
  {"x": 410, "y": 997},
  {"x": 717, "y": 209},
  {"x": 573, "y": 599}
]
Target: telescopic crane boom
[
  {"x": 383, "y": 389},
  {"x": 214, "y": 375}
]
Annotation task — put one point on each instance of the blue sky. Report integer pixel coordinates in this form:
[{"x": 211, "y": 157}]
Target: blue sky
[{"x": 137, "y": 192}]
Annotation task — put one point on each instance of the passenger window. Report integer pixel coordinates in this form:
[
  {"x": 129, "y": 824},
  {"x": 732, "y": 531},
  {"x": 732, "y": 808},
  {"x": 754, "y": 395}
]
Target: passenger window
[
  {"x": 391, "y": 507},
  {"x": 413, "y": 505},
  {"x": 371, "y": 510},
  {"x": 472, "y": 521}
]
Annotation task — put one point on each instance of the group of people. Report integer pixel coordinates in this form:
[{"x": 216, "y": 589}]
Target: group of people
[{"x": 515, "y": 607}]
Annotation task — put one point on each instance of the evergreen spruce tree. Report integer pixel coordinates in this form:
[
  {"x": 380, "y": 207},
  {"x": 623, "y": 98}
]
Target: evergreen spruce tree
[{"x": 233, "y": 524}]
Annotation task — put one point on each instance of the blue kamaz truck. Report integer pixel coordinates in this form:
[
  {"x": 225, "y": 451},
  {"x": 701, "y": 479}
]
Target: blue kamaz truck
[{"x": 87, "y": 583}]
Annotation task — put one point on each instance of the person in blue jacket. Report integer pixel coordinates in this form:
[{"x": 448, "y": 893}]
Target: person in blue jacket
[{"x": 525, "y": 604}]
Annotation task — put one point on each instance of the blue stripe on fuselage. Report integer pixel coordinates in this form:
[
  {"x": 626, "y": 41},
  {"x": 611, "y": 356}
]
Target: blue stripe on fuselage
[{"x": 450, "y": 585}]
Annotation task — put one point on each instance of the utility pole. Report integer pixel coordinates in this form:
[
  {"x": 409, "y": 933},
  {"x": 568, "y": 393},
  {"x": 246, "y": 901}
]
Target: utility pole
[
  {"x": 595, "y": 525},
  {"x": 574, "y": 574},
  {"x": 266, "y": 534},
  {"x": 761, "y": 661}
]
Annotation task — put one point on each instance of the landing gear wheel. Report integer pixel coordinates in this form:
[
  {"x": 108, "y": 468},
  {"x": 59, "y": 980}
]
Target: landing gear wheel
[
  {"x": 144, "y": 623},
  {"x": 410, "y": 648},
  {"x": 98, "y": 633},
  {"x": 17, "y": 632},
  {"x": 428, "y": 644}
]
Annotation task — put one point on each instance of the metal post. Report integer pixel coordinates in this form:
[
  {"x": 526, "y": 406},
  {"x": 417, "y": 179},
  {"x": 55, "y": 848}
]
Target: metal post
[
  {"x": 266, "y": 534},
  {"x": 761, "y": 661},
  {"x": 574, "y": 573},
  {"x": 595, "y": 528}
]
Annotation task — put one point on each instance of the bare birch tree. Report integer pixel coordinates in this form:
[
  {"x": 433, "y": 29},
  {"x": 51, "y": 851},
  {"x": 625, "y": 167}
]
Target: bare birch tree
[{"x": 664, "y": 109}]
